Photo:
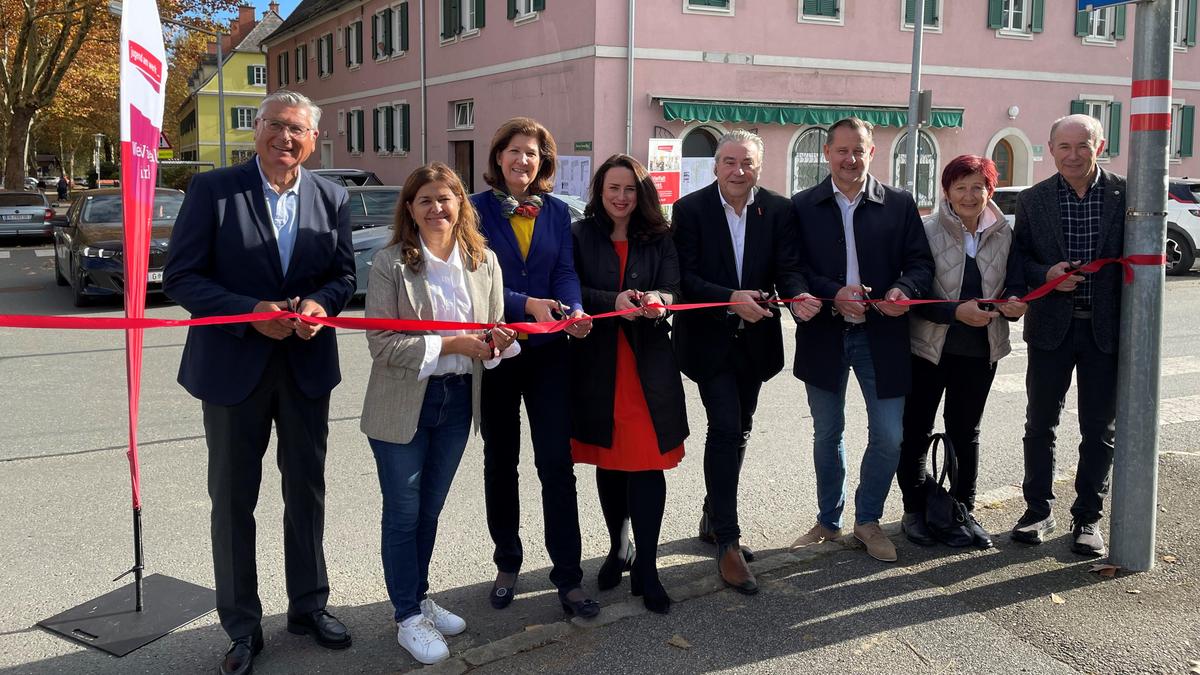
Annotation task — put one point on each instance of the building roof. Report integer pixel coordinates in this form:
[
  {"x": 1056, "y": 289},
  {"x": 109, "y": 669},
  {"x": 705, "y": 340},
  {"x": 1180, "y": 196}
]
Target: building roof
[
  {"x": 206, "y": 69},
  {"x": 254, "y": 38},
  {"x": 304, "y": 12}
]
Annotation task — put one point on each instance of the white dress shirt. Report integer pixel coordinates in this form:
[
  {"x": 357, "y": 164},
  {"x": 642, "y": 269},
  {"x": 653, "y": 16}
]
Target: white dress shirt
[
  {"x": 971, "y": 240},
  {"x": 848, "y": 207},
  {"x": 282, "y": 207},
  {"x": 446, "y": 281},
  {"x": 737, "y": 227}
]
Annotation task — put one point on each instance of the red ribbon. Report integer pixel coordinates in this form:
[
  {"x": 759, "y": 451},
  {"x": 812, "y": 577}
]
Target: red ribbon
[{"x": 530, "y": 327}]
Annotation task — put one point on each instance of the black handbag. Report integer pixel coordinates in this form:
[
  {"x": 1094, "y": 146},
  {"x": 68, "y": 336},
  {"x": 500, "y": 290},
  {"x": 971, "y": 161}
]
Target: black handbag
[{"x": 946, "y": 518}]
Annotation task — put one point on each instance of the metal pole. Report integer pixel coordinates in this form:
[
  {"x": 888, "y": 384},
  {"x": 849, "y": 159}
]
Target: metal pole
[
  {"x": 629, "y": 84},
  {"x": 1135, "y": 462},
  {"x": 220, "y": 99},
  {"x": 424, "y": 103},
  {"x": 139, "y": 565},
  {"x": 914, "y": 93}
]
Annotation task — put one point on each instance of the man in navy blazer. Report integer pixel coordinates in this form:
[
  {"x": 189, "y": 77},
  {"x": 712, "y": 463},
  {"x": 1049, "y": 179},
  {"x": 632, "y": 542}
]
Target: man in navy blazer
[
  {"x": 859, "y": 239},
  {"x": 262, "y": 237}
]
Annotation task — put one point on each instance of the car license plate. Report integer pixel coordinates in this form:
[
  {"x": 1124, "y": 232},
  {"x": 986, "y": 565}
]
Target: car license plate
[
  {"x": 155, "y": 277},
  {"x": 14, "y": 216}
]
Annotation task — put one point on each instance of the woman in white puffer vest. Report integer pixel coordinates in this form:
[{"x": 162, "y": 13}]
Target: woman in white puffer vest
[{"x": 955, "y": 347}]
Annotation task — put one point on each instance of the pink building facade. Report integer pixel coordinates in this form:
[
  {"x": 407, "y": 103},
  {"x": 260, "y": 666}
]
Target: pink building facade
[{"x": 1000, "y": 71}]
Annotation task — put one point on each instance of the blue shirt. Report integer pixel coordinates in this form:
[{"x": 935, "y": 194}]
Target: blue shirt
[
  {"x": 1081, "y": 229},
  {"x": 282, "y": 208}
]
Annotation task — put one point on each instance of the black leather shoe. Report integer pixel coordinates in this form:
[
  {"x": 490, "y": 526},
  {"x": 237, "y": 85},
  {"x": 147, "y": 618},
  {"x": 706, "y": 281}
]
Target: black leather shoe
[
  {"x": 653, "y": 595},
  {"x": 502, "y": 596},
  {"x": 328, "y": 631},
  {"x": 586, "y": 608},
  {"x": 614, "y": 565},
  {"x": 239, "y": 660},
  {"x": 982, "y": 538},
  {"x": 916, "y": 530}
]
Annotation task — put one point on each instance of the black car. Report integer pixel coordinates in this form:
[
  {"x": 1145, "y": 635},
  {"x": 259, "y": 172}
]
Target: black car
[
  {"x": 349, "y": 177},
  {"x": 372, "y": 205},
  {"x": 88, "y": 246}
]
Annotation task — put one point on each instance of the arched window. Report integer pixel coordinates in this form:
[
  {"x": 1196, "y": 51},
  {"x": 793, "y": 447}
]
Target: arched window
[
  {"x": 927, "y": 163},
  {"x": 1002, "y": 155},
  {"x": 808, "y": 159},
  {"x": 700, "y": 142}
]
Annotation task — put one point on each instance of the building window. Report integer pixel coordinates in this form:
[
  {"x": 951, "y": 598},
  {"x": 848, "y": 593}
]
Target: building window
[
  {"x": 257, "y": 76},
  {"x": 808, "y": 159},
  {"x": 708, "y": 6},
  {"x": 1109, "y": 114},
  {"x": 282, "y": 67},
  {"x": 188, "y": 123},
  {"x": 461, "y": 17},
  {"x": 824, "y": 11},
  {"x": 325, "y": 55},
  {"x": 240, "y": 156},
  {"x": 1101, "y": 26},
  {"x": 391, "y": 133},
  {"x": 399, "y": 29},
  {"x": 382, "y": 34},
  {"x": 353, "y": 44},
  {"x": 931, "y": 13},
  {"x": 1016, "y": 18},
  {"x": 1185, "y": 24},
  {"x": 464, "y": 114},
  {"x": 1183, "y": 129},
  {"x": 927, "y": 162},
  {"x": 354, "y": 131},
  {"x": 1015, "y": 13},
  {"x": 524, "y": 9},
  {"x": 243, "y": 118},
  {"x": 302, "y": 63}
]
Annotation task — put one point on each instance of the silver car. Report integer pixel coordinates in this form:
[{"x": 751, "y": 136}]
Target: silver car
[{"x": 25, "y": 214}]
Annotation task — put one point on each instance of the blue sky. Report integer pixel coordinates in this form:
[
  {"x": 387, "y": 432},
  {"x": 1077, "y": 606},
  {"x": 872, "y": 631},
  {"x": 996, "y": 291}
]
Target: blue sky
[{"x": 260, "y": 6}]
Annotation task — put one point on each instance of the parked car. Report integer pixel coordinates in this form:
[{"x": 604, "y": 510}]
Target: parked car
[
  {"x": 88, "y": 247},
  {"x": 25, "y": 214},
  {"x": 575, "y": 205},
  {"x": 1006, "y": 199},
  {"x": 367, "y": 243},
  {"x": 32, "y": 184},
  {"x": 372, "y": 205},
  {"x": 1183, "y": 225},
  {"x": 348, "y": 177}
]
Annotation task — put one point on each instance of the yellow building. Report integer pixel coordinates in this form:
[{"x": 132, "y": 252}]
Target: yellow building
[{"x": 245, "y": 84}]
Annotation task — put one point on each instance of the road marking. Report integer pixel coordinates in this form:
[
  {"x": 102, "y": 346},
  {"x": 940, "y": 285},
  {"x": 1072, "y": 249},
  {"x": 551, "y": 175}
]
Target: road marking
[
  {"x": 44, "y": 252},
  {"x": 4, "y": 255},
  {"x": 1014, "y": 383},
  {"x": 1178, "y": 410}
]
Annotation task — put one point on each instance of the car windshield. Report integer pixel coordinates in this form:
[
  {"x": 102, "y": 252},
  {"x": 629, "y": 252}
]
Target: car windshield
[
  {"x": 107, "y": 208},
  {"x": 381, "y": 202},
  {"x": 22, "y": 200},
  {"x": 1007, "y": 201}
]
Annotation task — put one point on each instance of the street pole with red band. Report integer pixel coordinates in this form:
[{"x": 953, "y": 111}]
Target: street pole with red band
[{"x": 1150, "y": 109}]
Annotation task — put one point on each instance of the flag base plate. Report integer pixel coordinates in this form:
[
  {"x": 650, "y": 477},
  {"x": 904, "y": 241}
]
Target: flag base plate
[{"x": 111, "y": 624}]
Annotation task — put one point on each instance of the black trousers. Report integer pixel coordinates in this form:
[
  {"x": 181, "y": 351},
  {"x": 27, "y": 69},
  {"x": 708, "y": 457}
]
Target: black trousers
[
  {"x": 730, "y": 398},
  {"x": 539, "y": 376},
  {"x": 1046, "y": 383},
  {"x": 965, "y": 381},
  {"x": 237, "y": 438}
]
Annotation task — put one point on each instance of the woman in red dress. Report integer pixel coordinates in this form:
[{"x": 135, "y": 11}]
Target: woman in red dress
[{"x": 628, "y": 412}]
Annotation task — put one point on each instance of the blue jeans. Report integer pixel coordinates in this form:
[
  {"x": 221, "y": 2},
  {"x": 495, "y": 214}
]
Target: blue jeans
[
  {"x": 885, "y": 429},
  {"x": 415, "y": 478}
]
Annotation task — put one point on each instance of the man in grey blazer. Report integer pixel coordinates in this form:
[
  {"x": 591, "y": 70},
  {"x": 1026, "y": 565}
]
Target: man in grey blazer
[
  {"x": 1071, "y": 218},
  {"x": 265, "y": 236}
]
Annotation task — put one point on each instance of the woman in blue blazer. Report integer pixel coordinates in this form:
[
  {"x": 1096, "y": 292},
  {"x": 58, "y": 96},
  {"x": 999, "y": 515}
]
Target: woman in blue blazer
[{"x": 530, "y": 232}]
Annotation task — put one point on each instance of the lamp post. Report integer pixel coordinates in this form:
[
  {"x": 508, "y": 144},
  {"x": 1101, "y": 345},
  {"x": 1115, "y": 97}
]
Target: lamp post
[
  {"x": 114, "y": 8},
  {"x": 99, "y": 139}
]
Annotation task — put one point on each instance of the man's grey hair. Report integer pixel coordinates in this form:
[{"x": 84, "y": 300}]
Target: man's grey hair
[
  {"x": 1094, "y": 128},
  {"x": 741, "y": 136},
  {"x": 292, "y": 99}
]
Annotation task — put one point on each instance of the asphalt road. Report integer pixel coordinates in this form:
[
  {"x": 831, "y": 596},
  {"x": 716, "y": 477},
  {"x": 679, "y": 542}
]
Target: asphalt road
[{"x": 64, "y": 486}]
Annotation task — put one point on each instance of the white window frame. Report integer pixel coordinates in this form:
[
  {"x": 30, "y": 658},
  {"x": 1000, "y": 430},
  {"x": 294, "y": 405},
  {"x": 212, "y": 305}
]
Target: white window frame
[
  {"x": 352, "y": 122},
  {"x": 463, "y": 110},
  {"x": 378, "y": 114},
  {"x": 1176, "y": 131},
  {"x": 839, "y": 20},
  {"x": 1102, "y": 102},
  {"x": 243, "y": 118},
  {"x": 301, "y": 62},
  {"x": 260, "y": 76},
  {"x": 377, "y": 23},
  {"x": 525, "y": 12},
  {"x": 324, "y": 69},
  {"x": 467, "y": 9},
  {"x": 341, "y": 122},
  {"x": 1022, "y": 32},
  {"x": 396, "y": 42},
  {"x": 355, "y": 27},
  {"x": 936, "y": 28},
  {"x": 899, "y": 150},
  {"x": 727, "y": 10},
  {"x": 397, "y": 151},
  {"x": 1180, "y": 21},
  {"x": 1105, "y": 17}
]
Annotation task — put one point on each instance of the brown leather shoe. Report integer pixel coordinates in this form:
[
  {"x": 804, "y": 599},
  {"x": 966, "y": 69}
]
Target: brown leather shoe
[
  {"x": 817, "y": 535},
  {"x": 734, "y": 571}
]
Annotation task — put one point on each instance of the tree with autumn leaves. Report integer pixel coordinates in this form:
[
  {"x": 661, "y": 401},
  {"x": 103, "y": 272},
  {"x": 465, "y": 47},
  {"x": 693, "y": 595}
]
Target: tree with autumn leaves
[{"x": 59, "y": 65}]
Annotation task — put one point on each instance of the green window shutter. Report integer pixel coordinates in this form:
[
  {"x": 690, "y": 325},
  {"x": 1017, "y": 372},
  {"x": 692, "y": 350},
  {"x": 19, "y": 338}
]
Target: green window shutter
[
  {"x": 346, "y": 45},
  {"x": 361, "y": 132},
  {"x": 1191, "y": 22},
  {"x": 404, "y": 127},
  {"x": 931, "y": 15},
  {"x": 376, "y": 52},
  {"x": 329, "y": 53},
  {"x": 1082, "y": 21},
  {"x": 1187, "y": 129},
  {"x": 233, "y": 118},
  {"x": 390, "y": 124},
  {"x": 250, "y": 75},
  {"x": 539, "y": 5},
  {"x": 389, "y": 40},
  {"x": 1114, "y": 129},
  {"x": 358, "y": 41},
  {"x": 810, "y": 6},
  {"x": 1078, "y": 108},
  {"x": 910, "y": 11},
  {"x": 350, "y": 131},
  {"x": 995, "y": 13},
  {"x": 479, "y": 16},
  {"x": 1039, "y": 12},
  {"x": 376, "y": 127},
  {"x": 404, "y": 27},
  {"x": 1119, "y": 23},
  {"x": 449, "y": 20},
  {"x": 512, "y": 9}
]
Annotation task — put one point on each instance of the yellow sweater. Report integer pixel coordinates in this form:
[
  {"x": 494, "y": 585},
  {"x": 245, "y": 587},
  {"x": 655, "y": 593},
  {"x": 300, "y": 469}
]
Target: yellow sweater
[{"x": 523, "y": 229}]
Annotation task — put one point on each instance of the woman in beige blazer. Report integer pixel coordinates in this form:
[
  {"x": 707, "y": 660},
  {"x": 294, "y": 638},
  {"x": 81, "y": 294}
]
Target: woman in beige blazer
[{"x": 424, "y": 388}]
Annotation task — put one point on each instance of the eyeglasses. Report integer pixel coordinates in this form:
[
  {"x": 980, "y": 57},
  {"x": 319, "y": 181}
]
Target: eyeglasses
[{"x": 278, "y": 126}]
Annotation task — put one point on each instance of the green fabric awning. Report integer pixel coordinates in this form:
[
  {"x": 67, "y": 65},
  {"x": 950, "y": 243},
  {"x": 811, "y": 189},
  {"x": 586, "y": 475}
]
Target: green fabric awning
[{"x": 799, "y": 114}]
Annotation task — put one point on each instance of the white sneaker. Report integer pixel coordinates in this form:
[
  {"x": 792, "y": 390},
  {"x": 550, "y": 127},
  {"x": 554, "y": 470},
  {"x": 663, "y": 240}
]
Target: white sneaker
[
  {"x": 447, "y": 622},
  {"x": 417, "y": 635}
]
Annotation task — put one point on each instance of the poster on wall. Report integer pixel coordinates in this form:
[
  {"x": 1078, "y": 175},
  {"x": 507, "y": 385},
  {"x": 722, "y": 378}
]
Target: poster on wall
[
  {"x": 574, "y": 172},
  {"x": 696, "y": 172},
  {"x": 664, "y": 162}
]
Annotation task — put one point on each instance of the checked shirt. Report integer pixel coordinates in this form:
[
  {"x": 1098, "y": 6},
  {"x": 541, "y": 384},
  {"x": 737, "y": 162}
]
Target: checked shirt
[{"x": 1081, "y": 229}]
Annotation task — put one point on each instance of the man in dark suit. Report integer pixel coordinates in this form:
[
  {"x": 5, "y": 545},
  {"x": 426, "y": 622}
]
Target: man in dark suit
[
  {"x": 1072, "y": 217},
  {"x": 736, "y": 243},
  {"x": 859, "y": 239},
  {"x": 262, "y": 237}
]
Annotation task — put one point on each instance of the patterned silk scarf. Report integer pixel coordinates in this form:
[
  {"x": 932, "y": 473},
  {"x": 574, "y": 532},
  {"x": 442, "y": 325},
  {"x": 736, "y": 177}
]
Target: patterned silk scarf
[{"x": 509, "y": 205}]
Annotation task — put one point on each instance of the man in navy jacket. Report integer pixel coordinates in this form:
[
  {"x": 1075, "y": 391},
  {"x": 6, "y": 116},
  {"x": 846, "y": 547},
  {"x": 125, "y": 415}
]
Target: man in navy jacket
[
  {"x": 859, "y": 239},
  {"x": 261, "y": 237}
]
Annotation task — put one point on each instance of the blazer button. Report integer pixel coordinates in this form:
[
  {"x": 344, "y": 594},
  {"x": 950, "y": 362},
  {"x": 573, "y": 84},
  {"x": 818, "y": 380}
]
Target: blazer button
[
  {"x": 633, "y": 275},
  {"x": 524, "y": 273}
]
